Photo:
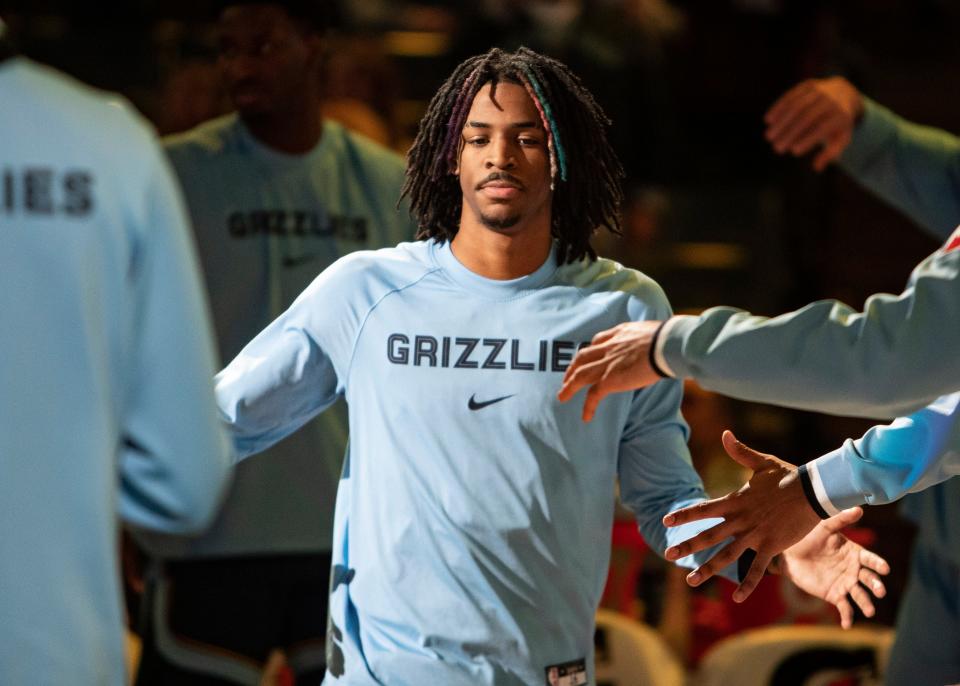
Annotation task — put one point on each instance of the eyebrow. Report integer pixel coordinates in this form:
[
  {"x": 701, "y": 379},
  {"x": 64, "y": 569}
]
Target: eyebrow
[{"x": 515, "y": 125}]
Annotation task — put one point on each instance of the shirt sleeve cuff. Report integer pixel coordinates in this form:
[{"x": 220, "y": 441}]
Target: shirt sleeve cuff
[
  {"x": 870, "y": 136},
  {"x": 659, "y": 345},
  {"x": 831, "y": 480}
]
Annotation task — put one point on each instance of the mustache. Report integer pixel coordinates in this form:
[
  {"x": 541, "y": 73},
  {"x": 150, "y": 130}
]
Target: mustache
[{"x": 501, "y": 176}]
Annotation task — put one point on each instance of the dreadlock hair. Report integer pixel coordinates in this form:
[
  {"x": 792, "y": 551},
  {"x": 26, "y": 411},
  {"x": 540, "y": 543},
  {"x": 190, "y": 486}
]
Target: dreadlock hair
[{"x": 585, "y": 173}]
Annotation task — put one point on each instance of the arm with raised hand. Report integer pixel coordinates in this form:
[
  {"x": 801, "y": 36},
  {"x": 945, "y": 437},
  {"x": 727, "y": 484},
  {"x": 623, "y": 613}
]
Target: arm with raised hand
[
  {"x": 815, "y": 113},
  {"x": 914, "y": 168},
  {"x": 781, "y": 503},
  {"x": 885, "y": 361}
]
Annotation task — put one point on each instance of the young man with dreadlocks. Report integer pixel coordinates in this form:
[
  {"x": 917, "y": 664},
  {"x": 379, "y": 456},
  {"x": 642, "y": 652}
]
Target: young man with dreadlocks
[{"x": 472, "y": 528}]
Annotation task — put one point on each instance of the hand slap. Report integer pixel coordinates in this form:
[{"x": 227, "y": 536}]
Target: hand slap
[
  {"x": 616, "y": 360},
  {"x": 828, "y": 565},
  {"x": 767, "y": 514}
]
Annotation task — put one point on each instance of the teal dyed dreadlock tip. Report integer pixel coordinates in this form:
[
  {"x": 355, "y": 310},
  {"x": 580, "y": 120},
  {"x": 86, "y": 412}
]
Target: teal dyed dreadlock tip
[{"x": 554, "y": 129}]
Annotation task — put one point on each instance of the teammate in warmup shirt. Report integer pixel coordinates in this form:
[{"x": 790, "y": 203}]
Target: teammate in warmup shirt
[
  {"x": 473, "y": 517},
  {"x": 276, "y": 195},
  {"x": 106, "y": 352}
]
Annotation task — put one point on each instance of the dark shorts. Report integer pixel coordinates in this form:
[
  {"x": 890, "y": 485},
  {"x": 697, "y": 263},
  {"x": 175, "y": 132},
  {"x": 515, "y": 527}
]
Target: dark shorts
[{"x": 216, "y": 621}]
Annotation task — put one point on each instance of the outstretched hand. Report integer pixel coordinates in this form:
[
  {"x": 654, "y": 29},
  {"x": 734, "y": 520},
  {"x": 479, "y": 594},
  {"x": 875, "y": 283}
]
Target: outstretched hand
[
  {"x": 768, "y": 514},
  {"x": 616, "y": 360},
  {"x": 815, "y": 112},
  {"x": 828, "y": 565}
]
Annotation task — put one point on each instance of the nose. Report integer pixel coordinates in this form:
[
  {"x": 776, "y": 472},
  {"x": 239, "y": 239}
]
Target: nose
[
  {"x": 501, "y": 155},
  {"x": 238, "y": 67}
]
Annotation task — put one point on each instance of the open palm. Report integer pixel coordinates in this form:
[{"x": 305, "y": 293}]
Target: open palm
[{"x": 828, "y": 565}]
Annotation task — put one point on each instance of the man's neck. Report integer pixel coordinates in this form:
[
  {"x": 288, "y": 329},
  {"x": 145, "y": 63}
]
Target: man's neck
[
  {"x": 501, "y": 256},
  {"x": 293, "y": 132}
]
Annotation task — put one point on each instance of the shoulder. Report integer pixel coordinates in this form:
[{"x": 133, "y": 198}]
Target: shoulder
[
  {"x": 365, "y": 152},
  {"x": 372, "y": 274},
  {"x": 72, "y": 108},
  {"x": 606, "y": 277},
  {"x": 206, "y": 140}
]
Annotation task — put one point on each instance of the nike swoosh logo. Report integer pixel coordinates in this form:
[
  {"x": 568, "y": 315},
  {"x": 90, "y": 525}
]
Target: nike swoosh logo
[{"x": 474, "y": 405}]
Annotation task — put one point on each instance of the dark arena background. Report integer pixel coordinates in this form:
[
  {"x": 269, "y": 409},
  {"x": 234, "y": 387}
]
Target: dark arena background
[{"x": 711, "y": 212}]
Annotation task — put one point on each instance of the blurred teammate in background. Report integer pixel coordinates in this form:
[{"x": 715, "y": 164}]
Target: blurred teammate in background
[
  {"x": 276, "y": 194},
  {"x": 105, "y": 360}
]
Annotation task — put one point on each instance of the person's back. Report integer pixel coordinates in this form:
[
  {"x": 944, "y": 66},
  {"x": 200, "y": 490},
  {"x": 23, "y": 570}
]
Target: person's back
[{"x": 105, "y": 366}]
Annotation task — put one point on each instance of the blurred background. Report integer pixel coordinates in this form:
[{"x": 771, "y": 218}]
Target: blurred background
[{"x": 711, "y": 212}]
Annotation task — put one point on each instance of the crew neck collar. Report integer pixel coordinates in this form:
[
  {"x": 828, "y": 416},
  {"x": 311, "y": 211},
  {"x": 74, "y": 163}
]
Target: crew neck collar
[
  {"x": 278, "y": 158},
  {"x": 494, "y": 288}
]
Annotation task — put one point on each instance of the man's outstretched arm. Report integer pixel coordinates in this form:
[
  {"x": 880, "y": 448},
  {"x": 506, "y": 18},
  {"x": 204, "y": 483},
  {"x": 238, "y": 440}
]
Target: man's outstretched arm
[
  {"x": 781, "y": 503},
  {"x": 885, "y": 361}
]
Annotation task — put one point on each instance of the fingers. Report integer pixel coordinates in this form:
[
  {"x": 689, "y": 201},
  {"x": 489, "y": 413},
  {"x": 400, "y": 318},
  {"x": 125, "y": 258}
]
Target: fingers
[
  {"x": 596, "y": 393},
  {"x": 832, "y": 149},
  {"x": 814, "y": 112},
  {"x": 846, "y": 613},
  {"x": 705, "y": 539},
  {"x": 787, "y": 105},
  {"x": 748, "y": 457},
  {"x": 871, "y": 560},
  {"x": 819, "y": 127},
  {"x": 581, "y": 372},
  {"x": 814, "y": 122},
  {"x": 843, "y": 520},
  {"x": 752, "y": 578},
  {"x": 862, "y": 599},
  {"x": 605, "y": 336},
  {"x": 715, "y": 564},
  {"x": 795, "y": 115},
  {"x": 775, "y": 111},
  {"x": 719, "y": 507},
  {"x": 869, "y": 579}
]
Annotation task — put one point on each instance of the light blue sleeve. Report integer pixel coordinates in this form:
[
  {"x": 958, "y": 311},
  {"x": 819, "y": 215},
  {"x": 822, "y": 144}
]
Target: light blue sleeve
[
  {"x": 891, "y": 359},
  {"x": 909, "y": 455},
  {"x": 655, "y": 470},
  {"x": 174, "y": 460},
  {"x": 914, "y": 168},
  {"x": 297, "y": 366}
]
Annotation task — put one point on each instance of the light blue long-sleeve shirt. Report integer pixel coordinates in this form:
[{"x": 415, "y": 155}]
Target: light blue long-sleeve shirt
[
  {"x": 473, "y": 520},
  {"x": 917, "y": 170},
  {"x": 891, "y": 358},
  {"x": 106, "y": 403},
  {"x": 266, "y": 223}
]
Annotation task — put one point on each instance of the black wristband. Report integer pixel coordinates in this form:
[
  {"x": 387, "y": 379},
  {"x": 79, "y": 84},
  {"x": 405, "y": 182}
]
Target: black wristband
[
  {"x": 650, "y": 353},
  {"x": 807, "y": 484}
]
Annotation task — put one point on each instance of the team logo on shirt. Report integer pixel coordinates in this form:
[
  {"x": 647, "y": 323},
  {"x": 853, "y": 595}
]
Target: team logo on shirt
[
  {"x": 43, "y": 191},
  {"x": 467, "y": 352},
  {"x": 475, "y": 404},
  {"x": 303, "y": 223}
]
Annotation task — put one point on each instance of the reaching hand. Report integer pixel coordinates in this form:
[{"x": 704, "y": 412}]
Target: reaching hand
[
  {"x": 617, "y": 359},
  {"x": 768, "y": 514},
  {"x": 815, "y": 112},
  {"x": 828, "y": 565}
]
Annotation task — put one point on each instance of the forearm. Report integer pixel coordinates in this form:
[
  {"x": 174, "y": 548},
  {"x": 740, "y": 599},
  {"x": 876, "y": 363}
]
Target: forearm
[
  {"x": 914, "y": 168},
  {"x": 911, "y": 454},
  {"x": 883, "y": 362}
]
